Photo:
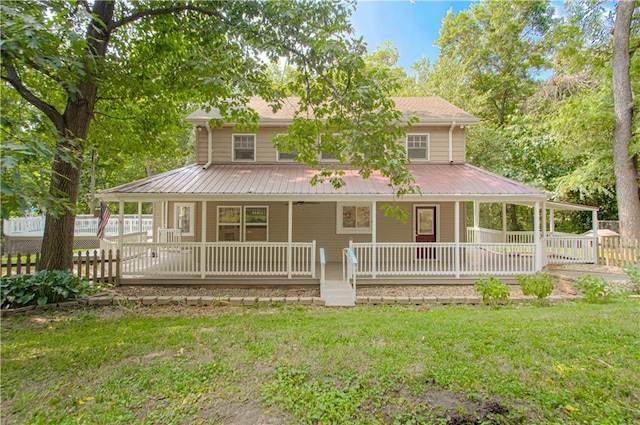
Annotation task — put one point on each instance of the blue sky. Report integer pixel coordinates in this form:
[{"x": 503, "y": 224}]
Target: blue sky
[{"x": 412, "y": 26}]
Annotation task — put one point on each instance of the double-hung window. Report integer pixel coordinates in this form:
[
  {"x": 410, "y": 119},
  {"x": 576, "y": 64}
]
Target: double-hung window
[
  {"x": 244, "y": 147},
  {"x": 418, "y": 146}
]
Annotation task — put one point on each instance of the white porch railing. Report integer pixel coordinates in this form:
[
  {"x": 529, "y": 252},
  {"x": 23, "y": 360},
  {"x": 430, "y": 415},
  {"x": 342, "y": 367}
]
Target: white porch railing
[
  {"x": 107, "y": 244},
  {"x": 84, "y": 225},
  {"x": 220, "y": 259},
  {"x": 169, "y": 235},
  {"x": 439, "y": 259},
  {"x": 570, "y": 249},
  {"x": 480, "y": 235}
]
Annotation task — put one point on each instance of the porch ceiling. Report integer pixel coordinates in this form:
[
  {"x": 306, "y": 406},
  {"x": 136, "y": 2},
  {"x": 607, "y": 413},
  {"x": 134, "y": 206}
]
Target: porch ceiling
[{"x": 292, "y": 181}]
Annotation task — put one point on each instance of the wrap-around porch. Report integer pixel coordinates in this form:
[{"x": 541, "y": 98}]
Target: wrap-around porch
[{"x": 474, "y": 251}]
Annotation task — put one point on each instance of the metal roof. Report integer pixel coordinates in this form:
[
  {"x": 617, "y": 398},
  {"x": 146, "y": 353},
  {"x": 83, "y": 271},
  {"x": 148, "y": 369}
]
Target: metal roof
[
  {"x": 428, "y": 109},
  {"x": 292, "y": 181}
]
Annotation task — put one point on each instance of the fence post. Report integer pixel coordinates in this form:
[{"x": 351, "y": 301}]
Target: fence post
[
  {"x": 102, "y": 272},
  {"x": 19, "y": 264},
  {"x": 118, "y": 269},
  {"x": 110, "y": 276},
  {"x": 95, "y": 265},
  {"x": 87, "y": 257},
  {"x": 79, "y": 264}
]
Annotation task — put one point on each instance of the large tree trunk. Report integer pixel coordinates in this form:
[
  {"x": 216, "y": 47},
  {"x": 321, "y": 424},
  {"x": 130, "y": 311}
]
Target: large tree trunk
[
  {"x": 625, "y": 167},
  {"x": 57, "y": 244}
]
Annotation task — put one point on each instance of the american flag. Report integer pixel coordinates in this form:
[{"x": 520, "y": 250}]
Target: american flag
[{"x": 103, "y": 219}]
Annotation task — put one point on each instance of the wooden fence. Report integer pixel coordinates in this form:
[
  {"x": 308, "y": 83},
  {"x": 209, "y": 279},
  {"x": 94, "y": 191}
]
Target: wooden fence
[
  {"x": 612, "y": 252},
  {"x": 99, "y": 266}
]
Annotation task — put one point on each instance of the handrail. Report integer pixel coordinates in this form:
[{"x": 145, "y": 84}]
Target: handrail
[
  {"x": 350, "y": 268},
  {"x": 323, "y": 264}
]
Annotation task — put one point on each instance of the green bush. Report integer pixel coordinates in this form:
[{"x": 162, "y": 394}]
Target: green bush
[
  {"x": 44, "y": 287},
  {"x": 633, "y": 271},
  {"x": 595, "y": 289},
  {"x": 539, "y": 284},
  {"x": 492, "y": 290}
]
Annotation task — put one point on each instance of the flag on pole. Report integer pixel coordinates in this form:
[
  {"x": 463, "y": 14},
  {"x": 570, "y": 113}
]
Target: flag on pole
[{"x": 103, "y": 219}]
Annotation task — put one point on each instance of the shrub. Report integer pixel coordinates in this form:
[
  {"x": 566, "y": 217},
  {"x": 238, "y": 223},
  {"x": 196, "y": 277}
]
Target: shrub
[
  {"x": 492, "y": 290},
  {"x": 633, "y": 271},
  {"x": 595, "y": 289},
  {"x": 44, "y": 287},
  {"x": 539, "y": 284}
]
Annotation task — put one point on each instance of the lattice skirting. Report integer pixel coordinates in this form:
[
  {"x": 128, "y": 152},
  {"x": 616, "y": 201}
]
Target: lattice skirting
[{"x": 31, "y": 245}]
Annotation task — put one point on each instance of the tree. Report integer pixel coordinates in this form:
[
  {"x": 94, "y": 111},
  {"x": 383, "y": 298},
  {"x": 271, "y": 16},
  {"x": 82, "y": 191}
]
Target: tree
[
  {"x": 625, "y": 162},
  {"x": 75, "y": 61}
]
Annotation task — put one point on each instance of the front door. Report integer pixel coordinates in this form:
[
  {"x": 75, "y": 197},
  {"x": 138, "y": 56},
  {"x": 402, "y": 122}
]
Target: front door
[{"x": 425, "y": 228}]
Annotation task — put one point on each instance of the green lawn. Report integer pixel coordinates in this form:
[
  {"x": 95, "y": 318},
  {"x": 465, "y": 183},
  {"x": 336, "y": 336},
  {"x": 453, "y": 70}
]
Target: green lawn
[{"x": 571, "y": 363}]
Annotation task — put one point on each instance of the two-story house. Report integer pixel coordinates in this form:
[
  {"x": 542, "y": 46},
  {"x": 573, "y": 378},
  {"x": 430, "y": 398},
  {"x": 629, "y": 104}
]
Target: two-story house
[{"x": 245, "y": 209}]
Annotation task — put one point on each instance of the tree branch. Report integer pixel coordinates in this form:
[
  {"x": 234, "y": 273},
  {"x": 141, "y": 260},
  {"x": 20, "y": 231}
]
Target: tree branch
[{"x": 50, "y": 111}]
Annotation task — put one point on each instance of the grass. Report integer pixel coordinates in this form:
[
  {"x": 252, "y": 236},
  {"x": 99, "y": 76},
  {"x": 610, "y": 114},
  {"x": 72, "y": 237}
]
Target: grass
[{"x": 571, "y": 363}]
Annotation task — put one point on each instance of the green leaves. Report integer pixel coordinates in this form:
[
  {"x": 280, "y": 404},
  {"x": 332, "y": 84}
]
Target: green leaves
[{"x": 42, "y": 288}]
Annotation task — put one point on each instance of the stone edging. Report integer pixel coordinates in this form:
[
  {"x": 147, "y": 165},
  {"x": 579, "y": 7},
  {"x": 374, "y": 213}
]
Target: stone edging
[{"x": 204, "y": 301}]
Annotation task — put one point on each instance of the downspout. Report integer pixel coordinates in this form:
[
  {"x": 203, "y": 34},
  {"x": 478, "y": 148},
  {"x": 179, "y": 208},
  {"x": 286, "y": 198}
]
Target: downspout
[
  {"x": 453, "y": 124},
  {"x": 209, "y": 147}
]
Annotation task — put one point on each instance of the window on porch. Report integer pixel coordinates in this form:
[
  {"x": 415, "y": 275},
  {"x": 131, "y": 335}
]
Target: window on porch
[
  {"x": 353, "y": 218},
  {"x": 238, "y": 225},
  {"x": 184, "y": 218}
]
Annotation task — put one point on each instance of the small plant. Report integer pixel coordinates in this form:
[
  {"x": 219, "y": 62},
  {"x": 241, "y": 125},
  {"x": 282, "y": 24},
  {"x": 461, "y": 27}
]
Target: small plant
[
  {"x": 539, "y": 284},
  {"x": 492, "y": 290},
  {"x": 44, "y": 287},
  {"x": 633, "y": 271},
  {"x": 595, "y": 289}
]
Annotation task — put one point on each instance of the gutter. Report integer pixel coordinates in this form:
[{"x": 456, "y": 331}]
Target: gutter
[
  {"x": 209, "y": 146},
  {"x": 453, "y": 124}
]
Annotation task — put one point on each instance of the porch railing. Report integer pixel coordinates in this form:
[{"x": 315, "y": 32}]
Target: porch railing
[
  {"x": 481, "y": 235},
  {"x": 570, "y": 249},
  {"x": 441, "y": 259},
  {"x": 220, "y": 259},
  {"x": 84, "y": 225}
]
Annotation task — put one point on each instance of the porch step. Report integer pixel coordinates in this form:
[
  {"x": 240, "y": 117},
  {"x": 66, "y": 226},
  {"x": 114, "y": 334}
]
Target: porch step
[{"x": 337, "y": 293}]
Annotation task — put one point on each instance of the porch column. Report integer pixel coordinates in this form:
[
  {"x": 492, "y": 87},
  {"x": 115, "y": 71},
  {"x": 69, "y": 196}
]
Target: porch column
[
  {"x": 120, "y": 224},
  {"x": 203, "y": 240},
  {"x": 544, "y": 233},
  {"x": 374, "y": 240},
  {"x": 594, "y": 226},
  {"x": 456, "y": 218},
  {"x": 139, "y": 216},
  {"x": 536, "y": 236},
  {"x": 476, "y": 221},
  {"x": 504, "y": 222},
  {"x": 552, "y": 222},
  {"x": 289, "y": 238}
]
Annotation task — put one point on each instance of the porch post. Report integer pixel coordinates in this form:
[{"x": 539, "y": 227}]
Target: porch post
[
  {"x": 203, "y": 240},
  {"x": 374, "y": 240},
  {"x": 544, "y": 233},
  {"x": 504, "y": 222},
  {"x": 552, "y": 222},
  {"x": 289, "y": 238},
  {"x": 536, "y": 236},
  {"x": 594, "y": 226},
  {"x": 139, "y": 216},
  {"x": 476, "y": 221},
  {"x": 120, "y": 224},
  {"x": 456, "y": 218}
]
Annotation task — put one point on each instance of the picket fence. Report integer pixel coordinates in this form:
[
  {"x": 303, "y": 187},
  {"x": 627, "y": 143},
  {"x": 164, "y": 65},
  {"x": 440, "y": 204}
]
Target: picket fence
[
  {"x": 612, "y": 252},
  {"x": 99, "y": 266}
]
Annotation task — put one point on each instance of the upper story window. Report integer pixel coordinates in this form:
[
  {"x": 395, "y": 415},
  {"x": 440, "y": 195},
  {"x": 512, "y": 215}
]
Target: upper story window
[
  {"x": 287, "y": 156},
  {"x": 418, "y": 146},
  {"x": 244, "y": 147}
]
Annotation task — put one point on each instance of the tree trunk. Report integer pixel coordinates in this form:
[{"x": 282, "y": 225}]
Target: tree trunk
[
  {"x": 57, "y": 243},
  {"x": 625, "y": 167}
]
